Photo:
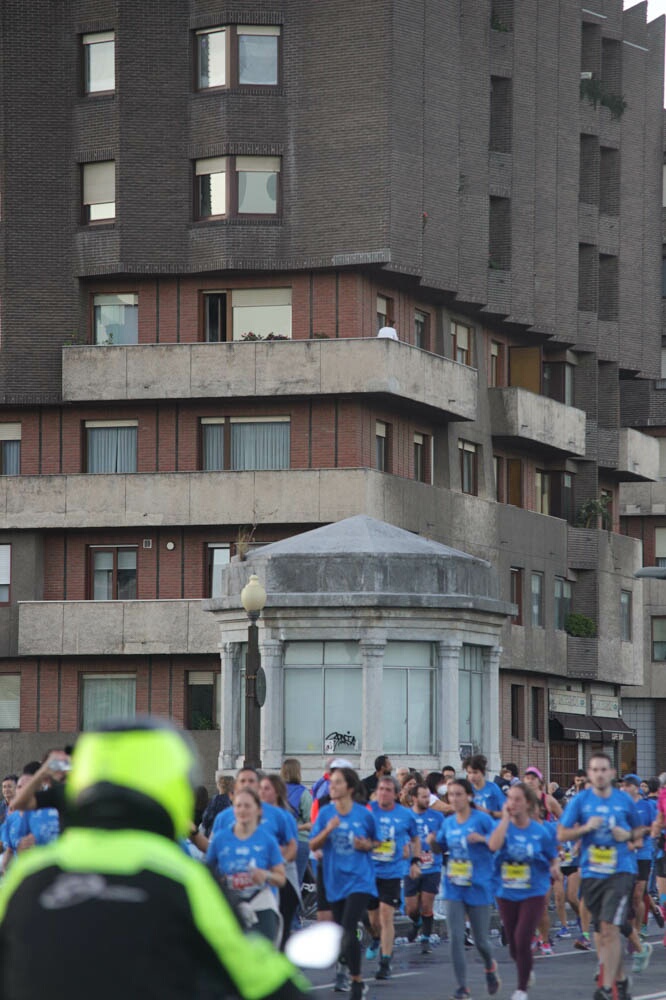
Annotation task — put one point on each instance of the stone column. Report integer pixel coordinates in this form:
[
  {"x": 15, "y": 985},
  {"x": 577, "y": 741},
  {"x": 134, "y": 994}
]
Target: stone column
[
  {"x": 372, "y": 656},
  {"x": 226, "y": 760},
  {"x": 491, "y": 710},
  {"x": 448, "y": 665},
  {"x": 272, "y": 714}
]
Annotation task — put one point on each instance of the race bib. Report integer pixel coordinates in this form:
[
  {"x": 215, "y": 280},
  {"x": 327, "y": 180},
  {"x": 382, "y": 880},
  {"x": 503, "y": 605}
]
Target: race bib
[
  {"x": 240, "y": 880},
  {"x": 515, "y": 876},
  {"x": 567, "y": 859},
  {"x": 459, "y": 872},
  {"x": 603, "y": 860},
  {"x": 427, "y": 860},
  {"x": 384, "y": 851}
]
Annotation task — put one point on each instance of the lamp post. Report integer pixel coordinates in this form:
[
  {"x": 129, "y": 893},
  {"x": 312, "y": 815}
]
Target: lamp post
[{"x": 253, "y": 599}]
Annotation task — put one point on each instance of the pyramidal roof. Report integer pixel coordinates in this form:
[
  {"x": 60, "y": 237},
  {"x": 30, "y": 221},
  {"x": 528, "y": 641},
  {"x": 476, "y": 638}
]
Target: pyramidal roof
[{"x": 360, "y": 535}]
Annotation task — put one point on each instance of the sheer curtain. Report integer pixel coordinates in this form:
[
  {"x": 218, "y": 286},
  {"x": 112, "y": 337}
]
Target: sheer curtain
[
  {"x": 108, "y": 698},
  {"x": 11, "y": 458},
  {"x": 260, "y": 446},
  {"x": 112, "y": 449},
  {"x": 213, "y": 447}
]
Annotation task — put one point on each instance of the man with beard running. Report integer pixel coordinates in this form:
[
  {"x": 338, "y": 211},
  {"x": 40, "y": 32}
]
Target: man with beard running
[{"x": 420, "y": 892}]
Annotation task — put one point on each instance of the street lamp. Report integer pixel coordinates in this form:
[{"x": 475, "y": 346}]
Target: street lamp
[{"x": 253, "y": 599}]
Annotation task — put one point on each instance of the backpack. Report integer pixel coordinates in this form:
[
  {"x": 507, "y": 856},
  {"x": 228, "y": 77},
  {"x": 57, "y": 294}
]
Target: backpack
[{"x": 294, "y": 796}]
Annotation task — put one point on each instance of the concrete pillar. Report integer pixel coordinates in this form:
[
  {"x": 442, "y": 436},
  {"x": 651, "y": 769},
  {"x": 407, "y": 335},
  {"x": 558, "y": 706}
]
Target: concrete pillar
[
  {"x": 372, "y": 657},
  {"x": 491, "y": 709},
  {"x": 229, "y": 652},
  {"x": 448, "y": 665},
  {"x": 272, "y": 714}
]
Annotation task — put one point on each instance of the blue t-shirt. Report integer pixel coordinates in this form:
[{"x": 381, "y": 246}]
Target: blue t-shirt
[
  {"x": 236, "y": 858},
  {"x": 601, "y": 854},
  {"x": 469, "y": 869},
  {"x": 489, "y": 797},
  {"x": 279, "y": 822},
  {"x": 395, "y": 828},
  {"x": 522, "y": 864},
  {"x": 44, "y": 825},
  {"x": 427, "y": 822},
  {"x": 647, "y": 810},
  {"x": 347, "y": 869},
  {"x": 14, "y": 829}
]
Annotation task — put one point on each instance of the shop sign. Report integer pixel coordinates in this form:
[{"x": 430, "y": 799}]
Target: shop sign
[{"x": 567, "y": 701}]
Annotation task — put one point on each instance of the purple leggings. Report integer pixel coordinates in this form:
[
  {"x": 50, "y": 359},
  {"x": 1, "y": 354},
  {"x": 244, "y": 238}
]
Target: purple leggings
[{"x": 520, "y": 919}]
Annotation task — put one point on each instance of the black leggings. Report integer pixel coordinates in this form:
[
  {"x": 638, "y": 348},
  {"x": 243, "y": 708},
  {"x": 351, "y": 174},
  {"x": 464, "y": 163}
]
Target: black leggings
[
  {"x": 288, "y": 907},
  {"x": 347, "y": 913}
]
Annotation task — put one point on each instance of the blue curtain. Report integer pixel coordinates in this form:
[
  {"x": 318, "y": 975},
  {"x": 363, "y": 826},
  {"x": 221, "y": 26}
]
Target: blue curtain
[{"x": 260, "y": 446}]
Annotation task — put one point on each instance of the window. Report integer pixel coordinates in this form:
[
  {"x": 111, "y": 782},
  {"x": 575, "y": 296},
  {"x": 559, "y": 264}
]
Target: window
[
  {"x": 558, "y": 381},
  {"x": 468, "y": 467},
  {"x": 327, "y": 677},
  {"x": 562, "y": 594},
  {"x": 561, "y": 495},
  {"x": 255, "y": 59},
  {"x": 258, "y": 184},
  {"x": 99, "y": 62},
  {"x": 498, "y": 469},
  {"x": 470, "y": 696},
  {"x": 111, "y": 446},
  {"x": 496, "y": 364},
  {"x": 212, "y": 444},
  {"x": 421, "y": 455},
  {"x": 663, "y": 295},
  {"x": 107, "y": 696},
  {"x": 5, "y": 572},
  {"x": 214, "y": 306},
  {"x": 543, "y": 491},
  {"x": 261, "y": 312},
  {"x": 606, "y": 496},
  {"x": 659, "y": 639},
  {"x": 537, "y": 600},
  {"x": 409, "y": 698},
  {"x": 625, "y": 615},
  {"x": 218, "y": 557},
  {"x": 462, "y": 338},
  {"x": 660, "y": 546},
  {"x": 113, "y": 574},
  {"x": 384, "y": 311},
  {"x": 203, "y": 699},
  {"x": 518, "y": 711},
  {"x": 421, "y": 330},
  {"x": 382, "y": 446},
  {"x": 116, "y": 319},
  {"x": 211, "y": 187},
  {"x": 516, "y": 593},
  {"x": 260, "y": 444},
  {"x": 10, "y": 450},
  {"x": 515, "y": 481},
  {"x": 538, "y": 702},
  {"x": 99, "y": 191},
  {"x": 10, "y": 701}
]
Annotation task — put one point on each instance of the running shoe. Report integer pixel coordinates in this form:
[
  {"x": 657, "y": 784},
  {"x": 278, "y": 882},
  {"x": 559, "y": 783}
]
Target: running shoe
[
  {"x": 547, "y": 949},
  {"x": 342, "y": 981},
  {"x": 519, "y": 995},
  {"x": 384, "y": 970},
  {"x": 532, "y": 979},
  {"x": 583, "y": 943},
  {"x": 536, "y": 943},
  {"x": 563, "y": 932},
  {"x": 602, "y": 993},
  {"x": 493, "y": 981},
  {"x": 413, "y": 931},
  {"x": 424, "y": 941},
  {"x": 462, "y": 993},
  {"x": 469, "y": 940},
  {"x": 372, "y": 950},
  {"x": 658, "y": 915},
  {"x": 623, "y": 986},
  {"x": 359, "y": 990},
  {"x": 642, "y": 958}
]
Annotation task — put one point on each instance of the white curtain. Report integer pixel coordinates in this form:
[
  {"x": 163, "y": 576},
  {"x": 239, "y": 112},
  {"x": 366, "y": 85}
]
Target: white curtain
[
  {"x": 260, "y": 446},
  {"x": 213, "y": 447},
  {"x": 108, "y": 698},
  {"x": 11, "y": 458},
  {"x": 112, "y": 449}
]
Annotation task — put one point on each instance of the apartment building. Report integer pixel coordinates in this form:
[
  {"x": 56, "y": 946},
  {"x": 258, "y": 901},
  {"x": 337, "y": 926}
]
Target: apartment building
[{"x": 208, "y": 212}]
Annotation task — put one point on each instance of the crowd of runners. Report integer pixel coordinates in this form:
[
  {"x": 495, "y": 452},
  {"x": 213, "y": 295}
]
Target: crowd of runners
[{"x": 510, "y": 851}]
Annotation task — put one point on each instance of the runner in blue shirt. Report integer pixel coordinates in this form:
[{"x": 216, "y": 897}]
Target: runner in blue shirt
[
  {"x": 248, "y": 857},
  {"x": 647, "y": 810},
  {"x": 468, "y": 883},
  {"x": 399, "y": 840},
  {"x": 420, "y": 892},
  {"x": 346, "y": 833},
  {"x": 44, "y": 825},
  {"x": 487, "y": 795},
  {"x": 525, "y": 861},
  {"x": 604, "y": 819}
]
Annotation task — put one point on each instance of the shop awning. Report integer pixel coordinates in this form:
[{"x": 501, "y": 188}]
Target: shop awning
[
  {"x": 567, "y": 726},
  {"x": 614, "y": 730}
]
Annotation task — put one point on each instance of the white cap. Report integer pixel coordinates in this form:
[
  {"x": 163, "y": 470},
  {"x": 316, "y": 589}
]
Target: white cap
[{"x": 341, "y": 762}]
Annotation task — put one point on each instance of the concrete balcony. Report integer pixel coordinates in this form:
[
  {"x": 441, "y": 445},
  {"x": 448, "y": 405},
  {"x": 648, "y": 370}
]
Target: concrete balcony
[
  {"x": 115, "y": 628},
  {"x": 296, "y": 496},
  {"x": 643, "y": 499},
  {"x": 638, "y": 456},
  {"x": 521, "y": 417},
  {"x": 381, "y": 367}
]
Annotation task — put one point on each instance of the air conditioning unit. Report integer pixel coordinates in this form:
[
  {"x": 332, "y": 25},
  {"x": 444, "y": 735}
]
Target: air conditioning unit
[{"x": 147, "y": 543}]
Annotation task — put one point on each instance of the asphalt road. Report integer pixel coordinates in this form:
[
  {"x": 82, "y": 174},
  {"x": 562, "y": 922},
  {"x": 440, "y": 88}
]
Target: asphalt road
[{"x": 568, "y": 975}]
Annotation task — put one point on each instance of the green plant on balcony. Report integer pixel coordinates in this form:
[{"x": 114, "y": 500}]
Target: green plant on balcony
[
  {"x": 269, "y": 336},
  {"x": 591, "y": 510},
  {"x": 579, "y": 626},
  {"x": 203, "y": 722},
  {"x": 593, "y": 90},
  {"x": 74, "y": 340}
]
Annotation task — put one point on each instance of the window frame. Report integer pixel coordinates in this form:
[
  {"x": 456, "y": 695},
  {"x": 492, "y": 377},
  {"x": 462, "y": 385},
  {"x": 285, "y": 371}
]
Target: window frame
[
  {"x": 626, "y": 611},
  {"x": 115, "y": 550},
  {"x": 189, "y": 684},
  {"x": 382, "y": 450},
  {"x": 86, "y": 47},
  {"x": 17, "y": 677},
  {"x": 561, "y": 602},
  {"x": 654, "y": 642},
  {"x": 537, "y": 713},
  {"x": 204, "y": 295},
  {"x": 228, "y": 423},
  {"x": 83, "y": 677},
  {"x": 496, "y": 364},
  {"x": 11, "y": 432},
  {"x": 457, "y": 338},
  {"x": 538, "y": 620},
  {"x": 93, "y": 323},
  {"x": 422, "y": 466},
  {"x": 233, "y": 33},
  {"x": 88, "y": 425},
  {"x": 422, "y": 334},
  {"x": 386, "y": 318},
  {"x": 543, "y": 491},
  {"x": 231, "y": 173},
  {"x": 469, "y": 448},
  {"x": 10, "y": 563},
  {"x": 516, "y": 592},
  {"x": 86, "y": 219},
  {"x": 518, "y": 712}
]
